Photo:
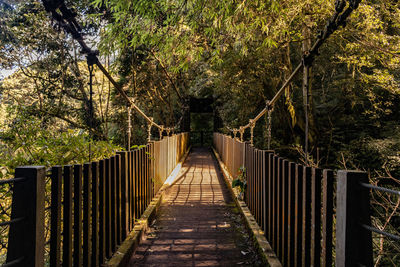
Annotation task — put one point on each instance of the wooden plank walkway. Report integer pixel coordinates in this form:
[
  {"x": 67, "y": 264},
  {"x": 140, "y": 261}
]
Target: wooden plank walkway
[{"x": 198, "y": 223}]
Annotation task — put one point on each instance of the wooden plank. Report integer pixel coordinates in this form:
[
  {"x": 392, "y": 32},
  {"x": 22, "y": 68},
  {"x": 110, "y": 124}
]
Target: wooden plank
[
  {"x": 95, "y": 214},
  {"x": 87, "y": 188},
  {"x": 77, "y": 253},
  {"x": 55, "y": 219}
]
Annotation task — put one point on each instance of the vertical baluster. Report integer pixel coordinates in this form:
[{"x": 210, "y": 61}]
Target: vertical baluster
[
  {"x": 143, "y": 178},
  {"x": 298, "y": 215},
  {"x": 274, "y": 203},
  {"x": 113, "y": 204},
  {"x": 263, "y": 189},
  {"x": 146, "y": 174},
  {"x": 259, "y": 190},
  {"x": 55, "y": 234},
  {"x": 108, "y": 209},
  {"x": 128, "y": 192},
  {"x": 306, "y": 244},
  {"x": 77, "y": 215},
  {"x": 271, "y": 166},
  {"x": 251, "y": 179},
  {"x": 353, "y": 210},
  {"x": 26, "y": 237},
  {"x": 124, "y": 193},
  {"x": 149, "y": 176},
  {"x": 134, "y": 188},
  {"x": 284, "y": 222},
  {"x": 118, "y": 198},
  {"x": 140, "y": 181},
  {"x": 131, "y": 191},
  {"x": 256, "y": 189},
  {"x": 316, "y": 180},
  {"x": 327, "y": 218},
  {"x": 87, "y": 178},
  {"x": 102, "y": 211},
  {"x": 137, "y": 184},
  {"x": 279, "y": 209},
  {"x": 152, "y": 171},
  {"x": 291, "y": 213},
  {"x": 95, "y": 214},
  {"x": 254, "y": 182},
  {"x": 67, "y": 217}
]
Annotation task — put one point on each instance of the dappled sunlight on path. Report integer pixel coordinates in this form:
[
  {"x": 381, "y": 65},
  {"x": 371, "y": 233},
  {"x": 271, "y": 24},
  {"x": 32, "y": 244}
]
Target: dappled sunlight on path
[{"x": 197, "y": 224}]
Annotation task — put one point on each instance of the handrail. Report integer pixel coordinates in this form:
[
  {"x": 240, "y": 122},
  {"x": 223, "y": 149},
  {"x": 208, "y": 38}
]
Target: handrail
[
  {"x": 67, "y": 21},
  {"x": 338, "y": 19}
]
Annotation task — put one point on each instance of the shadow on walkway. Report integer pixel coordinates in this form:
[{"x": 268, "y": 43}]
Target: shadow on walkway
[{"x": 198, "y": 223}]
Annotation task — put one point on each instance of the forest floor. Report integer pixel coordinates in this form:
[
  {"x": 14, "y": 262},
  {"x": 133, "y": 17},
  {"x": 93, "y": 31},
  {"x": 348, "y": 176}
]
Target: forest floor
[{"x": 198, "y": 223}]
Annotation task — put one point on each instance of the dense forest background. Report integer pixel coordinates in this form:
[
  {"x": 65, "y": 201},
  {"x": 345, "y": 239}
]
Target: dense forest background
[{"x": 238, "y": 52}]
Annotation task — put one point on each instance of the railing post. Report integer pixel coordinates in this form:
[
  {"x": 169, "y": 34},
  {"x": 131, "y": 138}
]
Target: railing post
[
  {"x": 353, "y": 242},
  {"x": 26, "y": 237}
]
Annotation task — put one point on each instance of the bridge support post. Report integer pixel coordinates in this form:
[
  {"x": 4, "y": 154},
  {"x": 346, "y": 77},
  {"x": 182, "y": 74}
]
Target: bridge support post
[
  {"x": 353, "y": 241},
  {"x": 26, "y": 235}
]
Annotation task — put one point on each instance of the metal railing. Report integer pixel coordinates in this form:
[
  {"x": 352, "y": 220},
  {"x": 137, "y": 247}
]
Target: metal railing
[{"x": 93, "y": 207}]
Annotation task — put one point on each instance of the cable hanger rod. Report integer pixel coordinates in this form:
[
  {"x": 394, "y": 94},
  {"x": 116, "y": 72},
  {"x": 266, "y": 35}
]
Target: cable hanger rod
[
  {"x": 338, "y": 19},
  {"x": 66, "y": 19}
]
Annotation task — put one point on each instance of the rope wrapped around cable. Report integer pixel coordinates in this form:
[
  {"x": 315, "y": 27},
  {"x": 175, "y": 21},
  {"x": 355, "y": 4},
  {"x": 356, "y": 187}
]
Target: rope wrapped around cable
[{"x": 338, "y": 19}]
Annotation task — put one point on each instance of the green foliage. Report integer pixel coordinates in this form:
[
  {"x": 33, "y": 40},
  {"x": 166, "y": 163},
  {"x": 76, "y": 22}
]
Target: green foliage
[
  {"x": 29, "y": 141},
  {"x": 240, "y": 181}
]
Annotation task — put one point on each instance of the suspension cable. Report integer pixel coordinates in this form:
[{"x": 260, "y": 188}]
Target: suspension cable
[
  {"x": 337, "y": 20},
  {"x": 65, "y": 18}
]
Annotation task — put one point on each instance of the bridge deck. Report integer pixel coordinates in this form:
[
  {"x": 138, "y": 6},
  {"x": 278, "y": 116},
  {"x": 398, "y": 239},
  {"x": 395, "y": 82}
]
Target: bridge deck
[{"x": 198, "y": 224}]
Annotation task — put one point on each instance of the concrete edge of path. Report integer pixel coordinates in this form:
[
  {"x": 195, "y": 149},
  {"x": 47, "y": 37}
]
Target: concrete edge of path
[
  {"x": 124, "y": 253},
  {"x": 261, "y": 242}
]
